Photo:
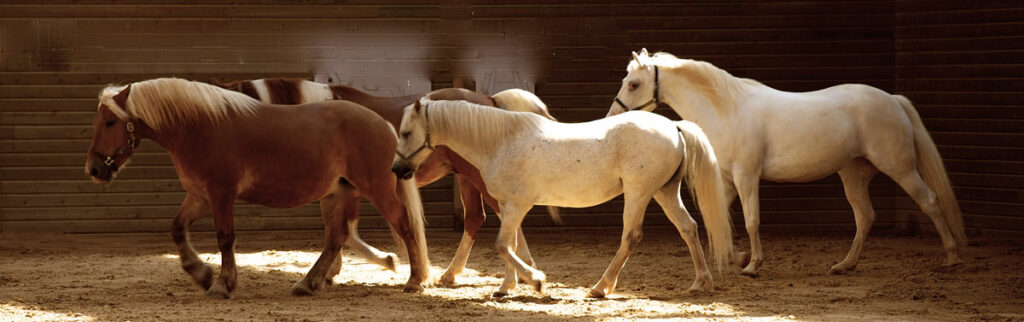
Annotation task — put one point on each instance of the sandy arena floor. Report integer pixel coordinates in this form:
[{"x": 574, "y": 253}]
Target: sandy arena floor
[{"x": 138, "y": 277}]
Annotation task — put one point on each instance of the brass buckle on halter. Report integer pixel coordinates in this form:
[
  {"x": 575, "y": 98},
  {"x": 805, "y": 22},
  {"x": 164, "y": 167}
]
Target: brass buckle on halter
[{"x": 127, "y": 147}]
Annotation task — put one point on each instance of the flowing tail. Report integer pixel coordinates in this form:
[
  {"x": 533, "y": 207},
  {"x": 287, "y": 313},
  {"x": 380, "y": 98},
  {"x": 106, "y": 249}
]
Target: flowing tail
[
  {"x": 518, "y": 100},
  {"x": 704, "y": 180},
  {"x": 409, "y": 194},
  {"x": 929, "y": 164}
]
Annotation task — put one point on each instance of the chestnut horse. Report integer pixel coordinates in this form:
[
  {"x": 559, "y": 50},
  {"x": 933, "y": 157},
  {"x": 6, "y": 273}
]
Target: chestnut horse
[
  {"x": 228, "y": 146},
  {"x": 440, "y": 164}
]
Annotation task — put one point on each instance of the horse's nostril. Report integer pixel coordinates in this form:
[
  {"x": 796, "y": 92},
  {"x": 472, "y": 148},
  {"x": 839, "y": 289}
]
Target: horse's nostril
[{"x": 94, "y": 172}]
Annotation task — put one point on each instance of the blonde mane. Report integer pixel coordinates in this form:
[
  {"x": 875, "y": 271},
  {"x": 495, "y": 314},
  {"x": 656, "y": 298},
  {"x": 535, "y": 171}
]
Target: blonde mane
[
  {"x": 479, "y": 125},
  {"x": 165, "y": 101},
  {"x": 717, "y": 85}
]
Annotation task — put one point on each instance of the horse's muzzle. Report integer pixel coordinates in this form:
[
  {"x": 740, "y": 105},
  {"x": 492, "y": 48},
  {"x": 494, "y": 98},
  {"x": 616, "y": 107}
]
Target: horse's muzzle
[
  {"x": 100, "y": 172},
  {"x": 401, "y": 169}
]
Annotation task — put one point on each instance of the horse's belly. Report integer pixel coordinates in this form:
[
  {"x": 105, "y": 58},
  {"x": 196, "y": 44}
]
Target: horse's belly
[
  {"x": 568, "y": 193},
  {"x": 793, "y": 169},
  {"x": 281, "y": 195}
]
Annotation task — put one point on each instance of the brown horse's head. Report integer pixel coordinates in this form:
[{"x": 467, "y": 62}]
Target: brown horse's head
[
  {"x": 114, "y": 138},
  {"x": 414, "y": 145}
]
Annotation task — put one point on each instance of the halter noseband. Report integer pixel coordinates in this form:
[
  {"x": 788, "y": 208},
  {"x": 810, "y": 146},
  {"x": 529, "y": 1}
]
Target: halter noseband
[
  {"x": 654, "y": 100},
  {"x": 128, "y": 147},
  {"x": 426, "y": 141}
]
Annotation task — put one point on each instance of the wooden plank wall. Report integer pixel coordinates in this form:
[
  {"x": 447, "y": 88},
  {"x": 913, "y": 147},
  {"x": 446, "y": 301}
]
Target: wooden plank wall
[
  {"x": 56, "y": 57},
  {"x": 962, "y": 63}
]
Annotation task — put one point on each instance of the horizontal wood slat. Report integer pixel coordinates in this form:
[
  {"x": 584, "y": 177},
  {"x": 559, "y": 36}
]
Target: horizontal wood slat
[{"x": 959, "y": 62}]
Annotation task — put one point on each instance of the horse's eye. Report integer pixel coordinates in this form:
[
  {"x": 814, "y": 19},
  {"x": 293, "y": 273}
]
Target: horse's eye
[
  {"x": 406, "y": 134},
  {"x": 633, "y": 86},
  {"x": 110, "y": 123}
]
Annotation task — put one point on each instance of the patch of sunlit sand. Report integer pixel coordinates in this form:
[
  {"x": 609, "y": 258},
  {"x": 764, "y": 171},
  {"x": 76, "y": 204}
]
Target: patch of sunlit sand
[
  {"x": 14, "y": 311},
  {"x": 476, "y": 287}
]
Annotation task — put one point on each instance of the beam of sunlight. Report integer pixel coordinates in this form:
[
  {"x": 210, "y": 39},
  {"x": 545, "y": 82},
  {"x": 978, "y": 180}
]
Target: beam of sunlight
[
  {"x": 14, "y": 311},
  {"x": 475, "y": 287}
]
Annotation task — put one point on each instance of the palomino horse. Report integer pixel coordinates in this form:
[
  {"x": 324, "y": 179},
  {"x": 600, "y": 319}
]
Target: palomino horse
[
  {"x": 527, "y": 160},
  {"x": 440, "y": 164},
  {"x": 228, "y": 146},
  {"x": 763, "y": 133}
]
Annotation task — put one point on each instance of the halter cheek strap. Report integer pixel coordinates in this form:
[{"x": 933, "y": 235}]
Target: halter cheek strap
[
  {"x": 426, "y": 141},
  {"x": 653, "y": 100},
  {"x": 127, "y": 149}
]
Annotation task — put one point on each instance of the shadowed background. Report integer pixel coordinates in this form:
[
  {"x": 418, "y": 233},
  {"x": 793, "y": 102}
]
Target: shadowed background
[{"x": 961, "y": 62}]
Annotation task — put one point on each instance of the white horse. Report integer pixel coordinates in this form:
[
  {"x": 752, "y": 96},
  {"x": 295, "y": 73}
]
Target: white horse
[
  {"x": 762, "y": 133},
  {"x": 527, "y": 160}
]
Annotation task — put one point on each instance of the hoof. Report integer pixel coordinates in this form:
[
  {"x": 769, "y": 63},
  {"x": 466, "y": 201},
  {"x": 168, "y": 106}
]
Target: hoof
[
  {"x": 302, "y": 288},
  {"x": 841, "y": 269},
  {"x": 954, "y": 262},
  {"x": 447, "y": 280},
  {"x": 391, "y": 262},
  {"x": 741, "y": 259},
  {"x": 218, "y": 291},
  {"x": 596, "y": 294},
  {"x": 702, "y": 285},
  {"x": 202, "y": 274},
  {"x": 538, "y": 285},
  {"x": 750, "y": 273},
  {"x": 413, "y": 288},
  {"x": 499, "y": 294}
]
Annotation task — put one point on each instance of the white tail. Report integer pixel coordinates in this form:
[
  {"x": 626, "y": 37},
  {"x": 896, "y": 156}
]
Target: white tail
[
  {"x": 410, "y": 196},
  {"x": 705, "y": 183},
  {"x": 929, "y": 164},
  {"x": 518, "y": 100}
]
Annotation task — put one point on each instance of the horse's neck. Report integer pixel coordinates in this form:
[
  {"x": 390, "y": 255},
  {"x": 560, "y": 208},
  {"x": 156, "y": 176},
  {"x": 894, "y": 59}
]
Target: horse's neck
[
  {"x": 694, "y": 104},
  {"x": 459, "y": 138}
]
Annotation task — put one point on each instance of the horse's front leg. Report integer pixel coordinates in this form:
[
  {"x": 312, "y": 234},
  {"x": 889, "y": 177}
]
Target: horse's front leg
[
  {"x": 512, "y": 218},
  {"x": 632, "y": 220},
  {"x": 747, "y": 185},
  {"x": 334, "y": 210},
  {"x": 191, "y": 209},
  {"x": 222, "y": 205},
  {"x": 473, "y": 214}
]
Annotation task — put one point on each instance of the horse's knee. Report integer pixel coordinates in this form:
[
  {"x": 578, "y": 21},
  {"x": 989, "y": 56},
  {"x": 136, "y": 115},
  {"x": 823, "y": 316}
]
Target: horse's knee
[
  {"x": 633, "y": 238},
  {"x": 225, "y": 239}
]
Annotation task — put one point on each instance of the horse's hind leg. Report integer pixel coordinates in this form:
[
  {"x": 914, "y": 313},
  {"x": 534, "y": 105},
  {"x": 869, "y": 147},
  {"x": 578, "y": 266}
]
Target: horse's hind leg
[
  {"x": 856, "y": 178},
  {"x": 334, "y": 208},
  {"x": 668, "y": 199},
  {"x": 473, "y": 209},
  {"x": 191, "y": 209},
  {"x": 914, "y": 185},
  {"x": 222, "y": 206},
  {"x": 632, "y": 219}
]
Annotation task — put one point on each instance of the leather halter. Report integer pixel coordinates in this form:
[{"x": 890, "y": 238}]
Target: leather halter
[
  {"x": 654, "y": 100},
  {"x": 127, "y": 149},
  {"x": 426, "y": 141}
]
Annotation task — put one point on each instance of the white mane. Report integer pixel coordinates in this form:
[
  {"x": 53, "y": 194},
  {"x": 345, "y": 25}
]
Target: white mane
[
  {"x": 164, "y": 101},
  {"x": 479, "y": 125},
  {"x": 717, "y": 85}
]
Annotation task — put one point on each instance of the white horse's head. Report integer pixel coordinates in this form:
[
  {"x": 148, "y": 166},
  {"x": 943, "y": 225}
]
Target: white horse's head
[
  {"x": 639, "y": 89},
  {"x": 414, "y": 146}
]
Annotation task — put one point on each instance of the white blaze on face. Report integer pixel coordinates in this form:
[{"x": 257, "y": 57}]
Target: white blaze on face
[{"x": 315, "y": 92}]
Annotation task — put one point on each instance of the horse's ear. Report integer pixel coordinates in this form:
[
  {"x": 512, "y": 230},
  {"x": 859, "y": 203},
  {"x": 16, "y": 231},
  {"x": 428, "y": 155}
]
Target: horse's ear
[
  {"x": 635, "y": 57},
  {"x": 122, "y": 98},
  {"x": 416, "y": 106},
  {"x": 644, "y": 52}
]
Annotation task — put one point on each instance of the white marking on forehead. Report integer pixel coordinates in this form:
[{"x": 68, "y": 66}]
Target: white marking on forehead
[{"x": 261, "y": 91}]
